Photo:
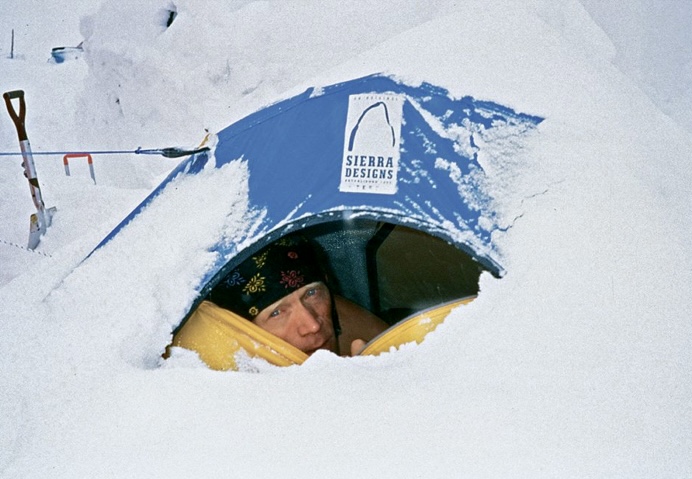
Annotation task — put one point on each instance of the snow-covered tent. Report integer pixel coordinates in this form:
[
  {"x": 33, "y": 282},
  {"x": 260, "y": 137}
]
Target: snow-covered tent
[{"x": 385, "y": 175}]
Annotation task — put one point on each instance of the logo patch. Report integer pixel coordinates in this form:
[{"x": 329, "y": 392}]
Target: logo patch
[{"x": 370, "y": 161}]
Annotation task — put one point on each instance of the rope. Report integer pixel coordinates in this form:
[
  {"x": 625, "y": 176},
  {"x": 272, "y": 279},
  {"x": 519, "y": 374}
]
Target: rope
[
  {"x": 47, "y": 153},
  {"x": 172, "y": 152},
  {"x": 9, "y": 243}
]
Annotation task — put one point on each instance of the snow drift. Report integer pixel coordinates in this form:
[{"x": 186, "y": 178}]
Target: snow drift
[{"x": 576, "y": 363}]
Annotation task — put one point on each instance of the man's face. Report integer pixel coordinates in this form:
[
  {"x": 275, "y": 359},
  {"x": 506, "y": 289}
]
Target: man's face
[{"x": 302, "y": 318}]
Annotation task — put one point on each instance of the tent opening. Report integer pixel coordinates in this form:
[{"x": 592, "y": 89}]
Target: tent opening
[
  {"x": 395, "y": 284},
  {"x": 392, "y": 270}
]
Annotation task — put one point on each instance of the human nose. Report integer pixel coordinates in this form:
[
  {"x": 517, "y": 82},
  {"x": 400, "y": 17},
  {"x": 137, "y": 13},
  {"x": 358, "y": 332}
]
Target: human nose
[{"x": 308, "y": 320}]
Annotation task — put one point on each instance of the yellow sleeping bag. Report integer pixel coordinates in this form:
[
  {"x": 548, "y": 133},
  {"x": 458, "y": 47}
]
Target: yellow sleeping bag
[
  {"x": 218, "y": 335},
  {"x": 412, "y": 329}
]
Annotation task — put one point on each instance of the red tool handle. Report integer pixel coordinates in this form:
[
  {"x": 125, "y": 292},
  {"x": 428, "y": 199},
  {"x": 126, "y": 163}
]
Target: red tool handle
[{"x": 17, "y": 119}]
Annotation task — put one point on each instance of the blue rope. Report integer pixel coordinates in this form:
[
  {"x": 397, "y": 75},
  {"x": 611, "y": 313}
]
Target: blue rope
[
  {"x": 138, "y": 151},
  {"x": 167, "y": 152}
]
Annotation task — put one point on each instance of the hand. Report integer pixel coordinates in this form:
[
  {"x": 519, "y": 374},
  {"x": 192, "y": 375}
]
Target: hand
[{"x": 357, "y": 346}]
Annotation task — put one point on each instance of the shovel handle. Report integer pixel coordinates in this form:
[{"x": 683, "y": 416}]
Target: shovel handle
[{"x": 18, "y": 119}]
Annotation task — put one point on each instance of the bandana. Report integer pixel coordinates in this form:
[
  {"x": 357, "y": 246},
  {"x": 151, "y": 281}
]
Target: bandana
[{"x": 272, "y": 273}]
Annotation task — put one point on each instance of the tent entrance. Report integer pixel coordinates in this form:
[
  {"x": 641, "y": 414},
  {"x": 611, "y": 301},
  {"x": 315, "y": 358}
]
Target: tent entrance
[
  {"x": 409, "y": 278},
  {"x": 393, "y": 270}
]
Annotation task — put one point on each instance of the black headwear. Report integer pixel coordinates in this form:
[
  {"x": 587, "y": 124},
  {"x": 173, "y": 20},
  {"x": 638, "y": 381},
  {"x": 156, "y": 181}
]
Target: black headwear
[{"x": 272, "y": 273}]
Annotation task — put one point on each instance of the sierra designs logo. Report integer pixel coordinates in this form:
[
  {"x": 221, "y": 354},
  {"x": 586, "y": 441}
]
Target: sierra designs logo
[{"x": 371, "y": 144}]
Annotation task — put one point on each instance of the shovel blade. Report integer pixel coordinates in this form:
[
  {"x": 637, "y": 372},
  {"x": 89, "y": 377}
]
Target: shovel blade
[
  {"x": 38, "y": 225},
  {"x": 36, "y": 229}
]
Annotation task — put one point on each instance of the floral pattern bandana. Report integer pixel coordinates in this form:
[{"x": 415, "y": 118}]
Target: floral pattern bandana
[{"x": 272, "y": 273}]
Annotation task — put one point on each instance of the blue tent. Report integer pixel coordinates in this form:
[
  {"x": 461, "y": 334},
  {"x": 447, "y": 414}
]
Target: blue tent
[{"x": 370, "y": 149}]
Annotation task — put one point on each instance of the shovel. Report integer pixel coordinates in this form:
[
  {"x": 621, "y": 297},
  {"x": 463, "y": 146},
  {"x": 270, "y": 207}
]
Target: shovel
[{"x": 42, "y": 219}]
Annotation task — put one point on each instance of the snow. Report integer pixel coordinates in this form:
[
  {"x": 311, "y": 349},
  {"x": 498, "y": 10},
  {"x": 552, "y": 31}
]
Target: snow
[{"x": 575, "y": 364}]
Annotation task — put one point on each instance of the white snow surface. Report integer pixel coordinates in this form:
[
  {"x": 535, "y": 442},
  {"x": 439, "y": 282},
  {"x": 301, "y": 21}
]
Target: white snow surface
[{"x": 575, "y": 364}]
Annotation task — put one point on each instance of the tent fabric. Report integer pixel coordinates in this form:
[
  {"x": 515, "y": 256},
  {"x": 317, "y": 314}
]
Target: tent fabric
[{"x": 374, "y": 148}]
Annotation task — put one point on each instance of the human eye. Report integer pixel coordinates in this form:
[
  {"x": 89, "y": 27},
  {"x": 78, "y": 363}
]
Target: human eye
[
  {"x": 315, "y": 292},
  {"x": 267, "y": 316}
]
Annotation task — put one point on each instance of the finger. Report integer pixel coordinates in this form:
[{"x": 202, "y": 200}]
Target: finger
[{"x": 357, "y": 346}]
